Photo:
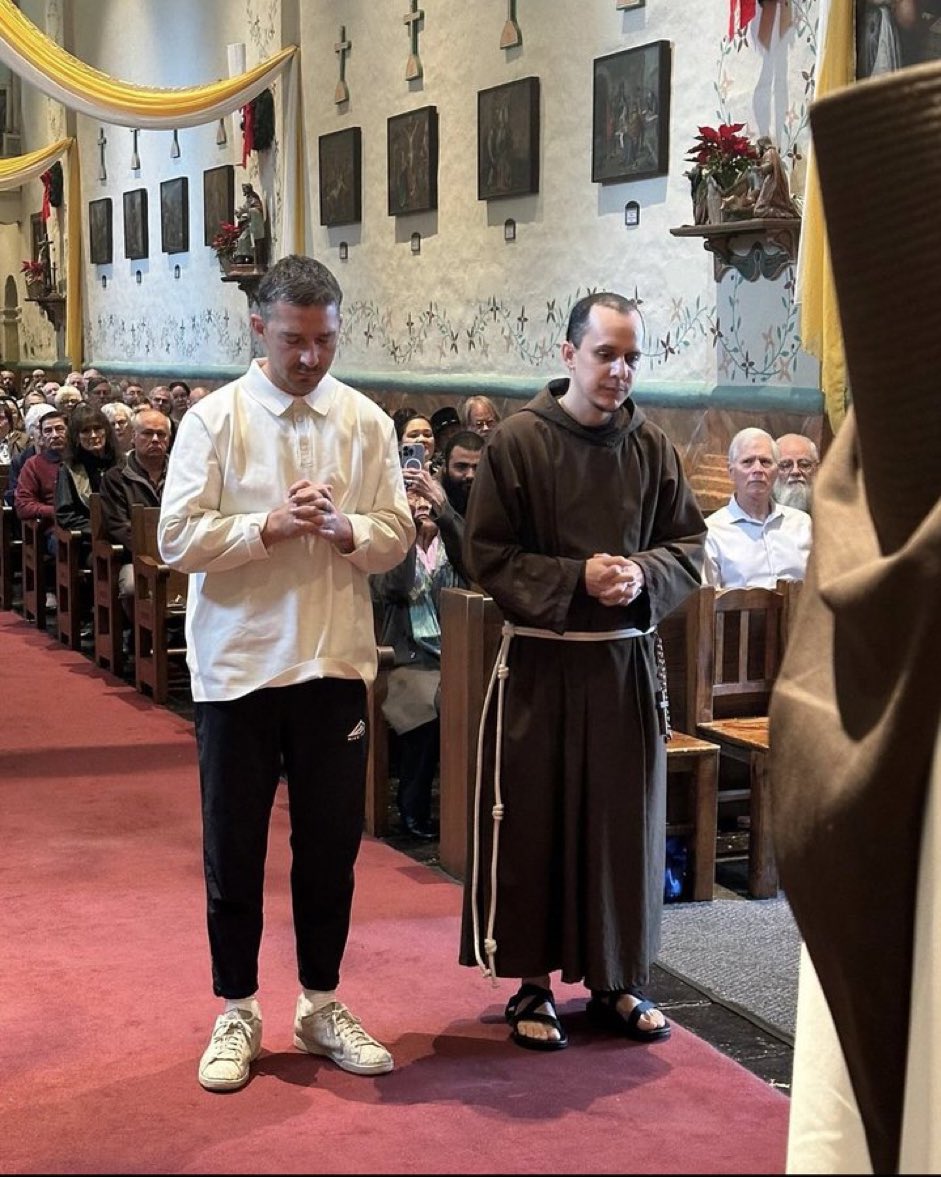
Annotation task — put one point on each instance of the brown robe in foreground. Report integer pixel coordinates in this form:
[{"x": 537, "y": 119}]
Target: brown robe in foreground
[
  {"x": 854, "y": 715},
  {"x": 580, "y": 882}
]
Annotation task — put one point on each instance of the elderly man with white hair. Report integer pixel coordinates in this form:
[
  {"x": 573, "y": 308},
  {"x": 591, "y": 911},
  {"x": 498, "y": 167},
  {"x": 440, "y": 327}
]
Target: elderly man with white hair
[
  {"x": 798, "y": 462},
  {"x": 34, "y": 414},
  {"x": 754, "y": 541}
]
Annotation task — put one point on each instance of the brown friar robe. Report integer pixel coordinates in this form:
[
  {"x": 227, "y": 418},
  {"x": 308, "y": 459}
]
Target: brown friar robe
[
  {"x": 855, "y": 711},
  {"x": 583, "y": 767}
]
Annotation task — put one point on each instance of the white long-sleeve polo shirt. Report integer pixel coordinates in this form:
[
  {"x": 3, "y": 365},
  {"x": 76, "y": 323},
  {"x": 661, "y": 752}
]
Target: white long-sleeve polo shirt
[
  {"x": 266, "y": 618},
  {"x": 743, "y": 552}
]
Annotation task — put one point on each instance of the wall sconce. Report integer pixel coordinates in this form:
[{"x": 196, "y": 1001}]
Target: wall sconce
[
  {"x": 509, "y": 229},
  {"x": 176, "y": 271},
  {"x": 138, "y": 277},
  {"x": 631, "y": 214},
  {"x": 104, "y": 281},
  {"x": 416, "y": 243},
  {"x": 344, "y": 251}
]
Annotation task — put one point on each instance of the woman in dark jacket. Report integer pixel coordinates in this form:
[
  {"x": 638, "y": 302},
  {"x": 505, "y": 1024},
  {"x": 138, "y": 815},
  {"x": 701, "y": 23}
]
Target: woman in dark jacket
[{"x": 91, "y": 450}]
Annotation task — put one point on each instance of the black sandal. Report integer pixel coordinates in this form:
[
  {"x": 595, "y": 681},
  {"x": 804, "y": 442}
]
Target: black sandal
[
  {"x": 603, "y": 1010},
  {"x": 529, "y": 998}
]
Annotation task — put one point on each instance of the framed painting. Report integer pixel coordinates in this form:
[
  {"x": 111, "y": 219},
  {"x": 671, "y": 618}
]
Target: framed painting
[
  {"x": 174, "y": 215},
  {"x": 413, "y": 161},
  {"x": 341, "y": 177},
  {"x": 135, "y": 223},
  {"x": 508, "y": 139},
  {"x": 100, "y": 248},
  {"x": 218, "y": 199},
  {"x": 630, "y": 137},
  {"x": 893, "y": 36}
]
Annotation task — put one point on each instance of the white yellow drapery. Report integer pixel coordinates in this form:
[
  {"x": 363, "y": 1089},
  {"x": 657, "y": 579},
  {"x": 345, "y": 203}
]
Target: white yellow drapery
[
  {"x": 820, "y": 329},
  {"x": 16, "y": 171},
  {"x": 38, "y": 59}
]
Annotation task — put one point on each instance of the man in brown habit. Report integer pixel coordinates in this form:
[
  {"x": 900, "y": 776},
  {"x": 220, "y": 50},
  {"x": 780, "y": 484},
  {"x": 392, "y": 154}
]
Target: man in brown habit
[{"x": 583, "y": 529}]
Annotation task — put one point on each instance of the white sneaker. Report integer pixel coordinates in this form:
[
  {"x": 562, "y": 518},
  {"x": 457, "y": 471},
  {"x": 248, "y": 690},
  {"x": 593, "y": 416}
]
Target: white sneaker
[
  {"x": 51, "y": 602},
  {"x": 334, "y": 1032},
  {"x": 235, "y": 1043}
]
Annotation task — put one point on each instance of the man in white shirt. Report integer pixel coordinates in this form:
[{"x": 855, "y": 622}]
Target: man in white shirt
[
  {"x": 283, "y": 493},
  {"x": 754, "y": 541}
]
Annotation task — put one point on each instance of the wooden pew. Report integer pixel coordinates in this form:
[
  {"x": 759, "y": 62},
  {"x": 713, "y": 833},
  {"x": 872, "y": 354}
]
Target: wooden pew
[
  {"x": 159, "y": 601},
  {"x": 11, "y": 559},
  {"x": 33, "y": 577},
  {"x": 738, "y": 640},
  {"x": 470, "y": 636},
  {"x": 73, "y": 582},
  {"x": 377, "y": 765},
  {"x": 107, "y": 561}
]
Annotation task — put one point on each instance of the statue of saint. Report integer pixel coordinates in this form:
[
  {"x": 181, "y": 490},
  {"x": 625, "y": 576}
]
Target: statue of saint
[
  {"x": 252, "y": 243},
  {"x": 774, "y": 197}
]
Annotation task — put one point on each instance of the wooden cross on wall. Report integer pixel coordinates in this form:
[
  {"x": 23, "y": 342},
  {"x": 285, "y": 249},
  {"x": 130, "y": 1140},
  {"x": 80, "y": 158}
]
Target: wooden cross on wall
[
  {"x": 102, "y": 170},
  {"x": 341, "y": 48},
  {"x": 413, "y": 19},
  {"x": 511, "y": 35}
]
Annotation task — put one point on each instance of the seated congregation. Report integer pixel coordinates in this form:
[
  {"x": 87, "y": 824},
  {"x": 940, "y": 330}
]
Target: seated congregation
[{"x": 79, "y": 547}]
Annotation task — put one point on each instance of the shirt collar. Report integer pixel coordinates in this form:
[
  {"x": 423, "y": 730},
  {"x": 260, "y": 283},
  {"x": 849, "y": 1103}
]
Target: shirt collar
[
  {"x": 279, "y": 402},
  {"x": 737, "y": 511}
]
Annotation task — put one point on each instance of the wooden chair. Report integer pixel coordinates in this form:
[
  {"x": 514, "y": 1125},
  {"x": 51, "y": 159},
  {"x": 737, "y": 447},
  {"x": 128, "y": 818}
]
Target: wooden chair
[
  {"x": 159, "y": 607},
  {"x": 692, "y": 762},
  {"x": 736, "y": 644},
  {"x": 73, "y": 583},
  {"x": 377, "y": 766},
  {"x": 11, "y": 559},
  {"x": 33, "y": 576},
  {"x": 107, "y": 561}
]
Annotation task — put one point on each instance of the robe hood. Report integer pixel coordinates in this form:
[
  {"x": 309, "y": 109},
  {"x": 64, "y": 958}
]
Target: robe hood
[{"x": 625, "y": 421}]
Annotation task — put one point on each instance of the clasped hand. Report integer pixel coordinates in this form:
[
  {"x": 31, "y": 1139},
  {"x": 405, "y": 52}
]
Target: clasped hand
[
  {"x": 309, "y": 510},
  {"x": 613, "y": 580}
]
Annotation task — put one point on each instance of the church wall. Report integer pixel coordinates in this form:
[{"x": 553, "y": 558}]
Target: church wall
[{"x": 470, "y": 311}]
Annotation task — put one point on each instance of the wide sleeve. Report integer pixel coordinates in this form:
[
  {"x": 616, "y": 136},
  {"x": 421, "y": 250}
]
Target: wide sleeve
[
  {"x": 530, "y": 588},
  {"x": 193, "y": 534},
  {"x": 672, "y": 555},
  {"x": 383, "y": 529}
]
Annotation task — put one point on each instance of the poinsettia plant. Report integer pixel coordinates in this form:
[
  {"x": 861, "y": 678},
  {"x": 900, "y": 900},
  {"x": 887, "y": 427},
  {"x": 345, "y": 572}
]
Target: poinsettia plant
[
  {"x": 724, "y": 153},
  {"x": 34, "y": 271},
  {"x": 224, "y": 241}
]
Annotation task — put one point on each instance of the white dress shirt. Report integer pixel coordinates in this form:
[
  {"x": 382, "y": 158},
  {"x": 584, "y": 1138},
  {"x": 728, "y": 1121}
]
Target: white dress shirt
[
  {"x": 743, "y": 552},
  {"x": 266, "y": 618}
]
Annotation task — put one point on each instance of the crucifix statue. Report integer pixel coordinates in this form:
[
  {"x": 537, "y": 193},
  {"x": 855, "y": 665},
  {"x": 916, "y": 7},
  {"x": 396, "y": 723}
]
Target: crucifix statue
[
  {"x": 341, "y": 48},
  {"x": 102, "y": 170},
  {"x": 511, "y": 34},
  {"x": 413, "y": 19}
]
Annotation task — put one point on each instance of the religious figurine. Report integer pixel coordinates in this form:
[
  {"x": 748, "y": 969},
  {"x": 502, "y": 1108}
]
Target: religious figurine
[
  {"x": 252, "y": 243},
  {"x": 774, "y": 197},
  {"x": 738, "y": 202}
]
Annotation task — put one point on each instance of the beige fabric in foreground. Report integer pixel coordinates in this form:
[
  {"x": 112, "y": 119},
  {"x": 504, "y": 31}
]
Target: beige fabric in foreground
[{"x": 854, "y": 715}]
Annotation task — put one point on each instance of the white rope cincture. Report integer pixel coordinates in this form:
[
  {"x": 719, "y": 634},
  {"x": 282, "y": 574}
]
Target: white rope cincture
[{"x": 498, "y": 677}]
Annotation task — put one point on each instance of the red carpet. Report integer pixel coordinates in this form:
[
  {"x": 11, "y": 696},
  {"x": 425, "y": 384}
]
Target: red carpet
[{"x": 107, "y": 1003}]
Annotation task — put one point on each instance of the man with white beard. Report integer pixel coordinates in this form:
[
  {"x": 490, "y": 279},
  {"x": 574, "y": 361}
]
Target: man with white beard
[{"x": 797, "y": 469}]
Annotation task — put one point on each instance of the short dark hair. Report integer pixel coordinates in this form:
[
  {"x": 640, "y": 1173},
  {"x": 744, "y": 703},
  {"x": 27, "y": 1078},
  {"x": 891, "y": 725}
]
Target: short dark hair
[
  {"x": 55, "y": 414},
  {"x": 300, "y": 281},
  {"x": 467, "y": 439},
  {"x": 578, "y": 319}
]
